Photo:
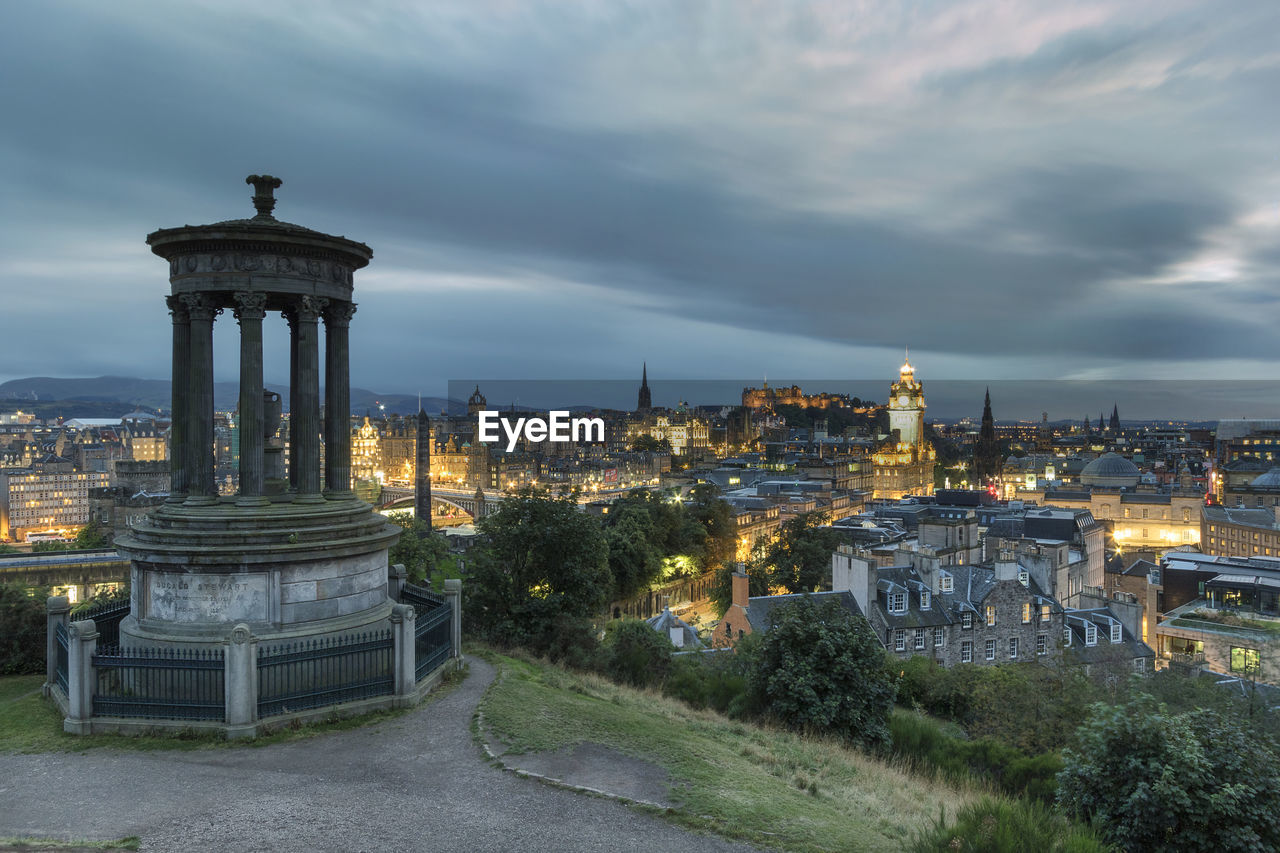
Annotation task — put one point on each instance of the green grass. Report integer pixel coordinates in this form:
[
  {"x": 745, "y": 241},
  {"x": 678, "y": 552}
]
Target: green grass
[
  {"x": 31, "y": 723},
  {"x": 742, "y": 781}
]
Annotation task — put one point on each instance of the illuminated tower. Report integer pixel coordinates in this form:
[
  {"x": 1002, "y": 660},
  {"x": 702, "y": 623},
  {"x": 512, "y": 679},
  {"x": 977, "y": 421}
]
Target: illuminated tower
[
  {"x": 903, "y": 464},
  {"x": 906, "y": 407}
]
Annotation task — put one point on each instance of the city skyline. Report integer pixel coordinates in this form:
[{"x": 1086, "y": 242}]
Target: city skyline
[{"x": 1082, "y": 191}]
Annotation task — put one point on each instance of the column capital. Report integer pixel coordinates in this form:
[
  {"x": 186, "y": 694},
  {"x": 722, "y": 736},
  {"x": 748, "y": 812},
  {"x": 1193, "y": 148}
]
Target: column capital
[
  {"x": 200, "y": 306},
  {"x": 250, "y": 305},
  {"x": 177, "y": 309},
  {"x": 309, "y": 308},
  {"x": 339, "y": 314}
]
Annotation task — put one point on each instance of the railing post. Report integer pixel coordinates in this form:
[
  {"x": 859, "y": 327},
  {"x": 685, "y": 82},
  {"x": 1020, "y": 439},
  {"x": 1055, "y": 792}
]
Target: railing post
[
  {"x": 57, "y": 610},
  {"x": 404, "y": 650},
  {"x": 397, "y": 577},
  {"x": 82, "y": 642},
  {"x": 240, "y": 682},
  {"x": 453, "y": 595}
]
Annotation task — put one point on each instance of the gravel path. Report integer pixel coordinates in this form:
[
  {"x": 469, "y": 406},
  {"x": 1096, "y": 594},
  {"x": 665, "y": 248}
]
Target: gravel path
[{"x": 417, "y": 782}]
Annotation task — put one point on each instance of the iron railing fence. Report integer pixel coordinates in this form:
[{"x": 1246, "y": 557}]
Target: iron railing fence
[
  {"x": 106, "y": 618},
  {"x": 159, "y": 683},
  {"x": 423, "y": 600},
  {"x": 316, "y": 673},
  {"x": 433, "y": 640},
  {"x": 60, "y": 633}
]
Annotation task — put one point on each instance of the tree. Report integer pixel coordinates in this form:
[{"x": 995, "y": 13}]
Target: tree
[
  {"x": 419, "y": 550},
  {"x": 7, "y": 549},
  {"x": 821, "y": 668},
  {"x": 542, "y": 568},
  {"x": 715, "y": 516},
  {"x": 44, "y": 547},
  {"x": 92, "y": 536},
  {"x": 646, "y": 443},
  {"x": 22, "y": 630},
  {"x": 799, "y": 560},
  {"x": 634, "y": 562},
  {"x": 1164, "y": 782}
]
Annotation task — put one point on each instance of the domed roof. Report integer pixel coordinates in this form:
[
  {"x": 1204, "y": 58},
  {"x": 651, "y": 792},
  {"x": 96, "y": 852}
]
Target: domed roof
[
  {"x": 1269, "y": 480},
  {"x": 1110, "y": 469}
]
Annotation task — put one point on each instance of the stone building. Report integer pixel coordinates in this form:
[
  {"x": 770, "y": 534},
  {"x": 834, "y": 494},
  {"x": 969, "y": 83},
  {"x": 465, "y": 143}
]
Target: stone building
[
  {"x": 903, "y": 464},
  {"x": 1239, "y": 532},
  {"x": 51, "y": 501}
]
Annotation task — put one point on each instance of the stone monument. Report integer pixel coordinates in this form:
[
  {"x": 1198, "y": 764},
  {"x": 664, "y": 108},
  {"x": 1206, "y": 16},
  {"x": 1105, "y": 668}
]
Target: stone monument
[{"x": 292, "y": 557}]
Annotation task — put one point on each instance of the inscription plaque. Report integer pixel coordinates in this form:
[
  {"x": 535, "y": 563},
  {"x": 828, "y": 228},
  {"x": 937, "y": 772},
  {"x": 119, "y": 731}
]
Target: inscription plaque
[{"x": 182, "y": 597}]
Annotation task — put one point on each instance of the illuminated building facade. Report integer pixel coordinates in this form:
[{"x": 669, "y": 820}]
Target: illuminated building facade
[
  {"x": 45, "y": 501},
  {"x": 903, "y": 465}
]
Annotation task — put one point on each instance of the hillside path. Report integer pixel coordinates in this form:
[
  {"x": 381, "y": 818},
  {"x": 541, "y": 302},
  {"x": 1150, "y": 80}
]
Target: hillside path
[{"x": 415, "y": 782}]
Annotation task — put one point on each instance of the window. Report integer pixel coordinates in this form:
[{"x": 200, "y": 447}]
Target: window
[
  {"x": 1025, "y": 579},
  {"x": 966, "y": 620},
  {"x": 1066, "y": 636},
  {"x": 966, "y": 651},
  {"x": 919, "y": 639},
  {"x": 1026, "y": 613},
  {"x": 1042, "y": 644},
  {"x": 937, "y": 638},
  {"x": 899, "y": 639},
  {"x": 991, "y": 649},
  {"x": 897, "y": 602},
  {"x": 946, "y": 582},
  {"x": 1245, "y": 660},
  {"x": 1139, "y": 664},
  {"x": 991, "y": 615},
  {"x": 1013, "y": 648},
  {"x": 1090, "y": 634},
  {"x": 1044, "y": 613},
  {"x": 925, "y": 599},
  {"x": 1117, "y": 632},
  {"x": 1144, "y": 512}
]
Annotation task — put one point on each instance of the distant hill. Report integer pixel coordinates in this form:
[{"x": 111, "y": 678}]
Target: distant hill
[{"x": 102, "y": 396}]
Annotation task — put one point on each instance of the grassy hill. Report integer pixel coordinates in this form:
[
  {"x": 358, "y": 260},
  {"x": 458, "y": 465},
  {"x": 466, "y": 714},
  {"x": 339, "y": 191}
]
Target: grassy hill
[{"x": 760, "y": 785}]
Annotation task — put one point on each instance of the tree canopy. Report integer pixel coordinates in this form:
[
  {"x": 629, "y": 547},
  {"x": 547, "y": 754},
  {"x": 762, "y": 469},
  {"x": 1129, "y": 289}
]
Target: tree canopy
[{"x": 799, "y": 560}]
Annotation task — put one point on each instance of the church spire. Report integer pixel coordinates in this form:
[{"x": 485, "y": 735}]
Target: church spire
[{"x": 644, "y": 401}]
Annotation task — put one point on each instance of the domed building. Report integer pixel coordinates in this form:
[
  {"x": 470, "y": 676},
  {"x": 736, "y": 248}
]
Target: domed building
[{"x": 1110, "y": 470}]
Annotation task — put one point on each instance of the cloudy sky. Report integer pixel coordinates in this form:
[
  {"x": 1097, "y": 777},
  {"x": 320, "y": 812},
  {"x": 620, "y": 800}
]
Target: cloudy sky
[{"x": 723, "y": 189}]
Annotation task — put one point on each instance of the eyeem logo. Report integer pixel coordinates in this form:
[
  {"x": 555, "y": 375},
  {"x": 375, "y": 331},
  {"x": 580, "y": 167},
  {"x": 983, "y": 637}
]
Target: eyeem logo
[{"x": 557, "y": 427}]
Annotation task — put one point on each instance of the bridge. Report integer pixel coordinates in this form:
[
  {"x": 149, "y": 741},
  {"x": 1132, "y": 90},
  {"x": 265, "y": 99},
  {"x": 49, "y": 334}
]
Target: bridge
[
  {"x": 462, "y": 500},
  {"x": 76, "y": 574}
]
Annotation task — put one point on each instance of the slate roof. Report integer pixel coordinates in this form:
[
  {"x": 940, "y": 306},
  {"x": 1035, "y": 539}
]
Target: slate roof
[
  {"x": 1104, "y": 651},
  {"x": 760, "y": 607},
  {"x": 666, "y": 620}
]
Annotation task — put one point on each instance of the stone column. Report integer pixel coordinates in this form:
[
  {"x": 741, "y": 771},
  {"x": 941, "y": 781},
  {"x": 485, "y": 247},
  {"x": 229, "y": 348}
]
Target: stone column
[
  {"x": 250, "y": 309},
  {"x": 337, "y": 396},
  {"x": 180, "y": 384},
  {"x": 397, "y": 577},
  {"x": 304, "y": 424},
  {"x": 57, "y": 610},
  {"x": 240, "y": 682},
  {"x": 403, "y": 618},
  {"x": 199, "y": 432},
  {"x": 82, "y": 642},
  {"x": 291, "y": 317},
  {"x": 453, "y": 595}
]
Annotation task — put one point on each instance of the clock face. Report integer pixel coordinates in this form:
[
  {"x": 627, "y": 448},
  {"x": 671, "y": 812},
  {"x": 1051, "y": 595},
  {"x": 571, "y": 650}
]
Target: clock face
[{"x": 902, "y": 401}]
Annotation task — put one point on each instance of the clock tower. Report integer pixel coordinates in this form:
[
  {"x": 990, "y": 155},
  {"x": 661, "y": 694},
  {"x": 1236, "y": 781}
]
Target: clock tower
[
  {"x": 903, "y": 464},
  {"x": 906, "y": 407}
]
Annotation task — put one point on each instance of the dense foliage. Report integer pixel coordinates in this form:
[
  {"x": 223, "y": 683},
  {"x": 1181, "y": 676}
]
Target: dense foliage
[
  {"x": 799, "y": 559},
  {"x": 721, "y": 593},
  {"x": 542, "y": 571},
  {"x": 420, "y": 550},
  {"x": 22, "y": 630},
  {"x": 820, "y": 668},
  {"x": 635, "y": 654},
  {"x": 1159, "y": 781}
]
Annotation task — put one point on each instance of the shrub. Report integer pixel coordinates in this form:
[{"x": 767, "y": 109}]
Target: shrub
[
  {"x": 635, "y": 654},
  {"x": 22, "y": 630},
  {"x": 1002, "y": 826},
  {"x": 820, "y": 668},
  {"x": 1160, "y": 781}
]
